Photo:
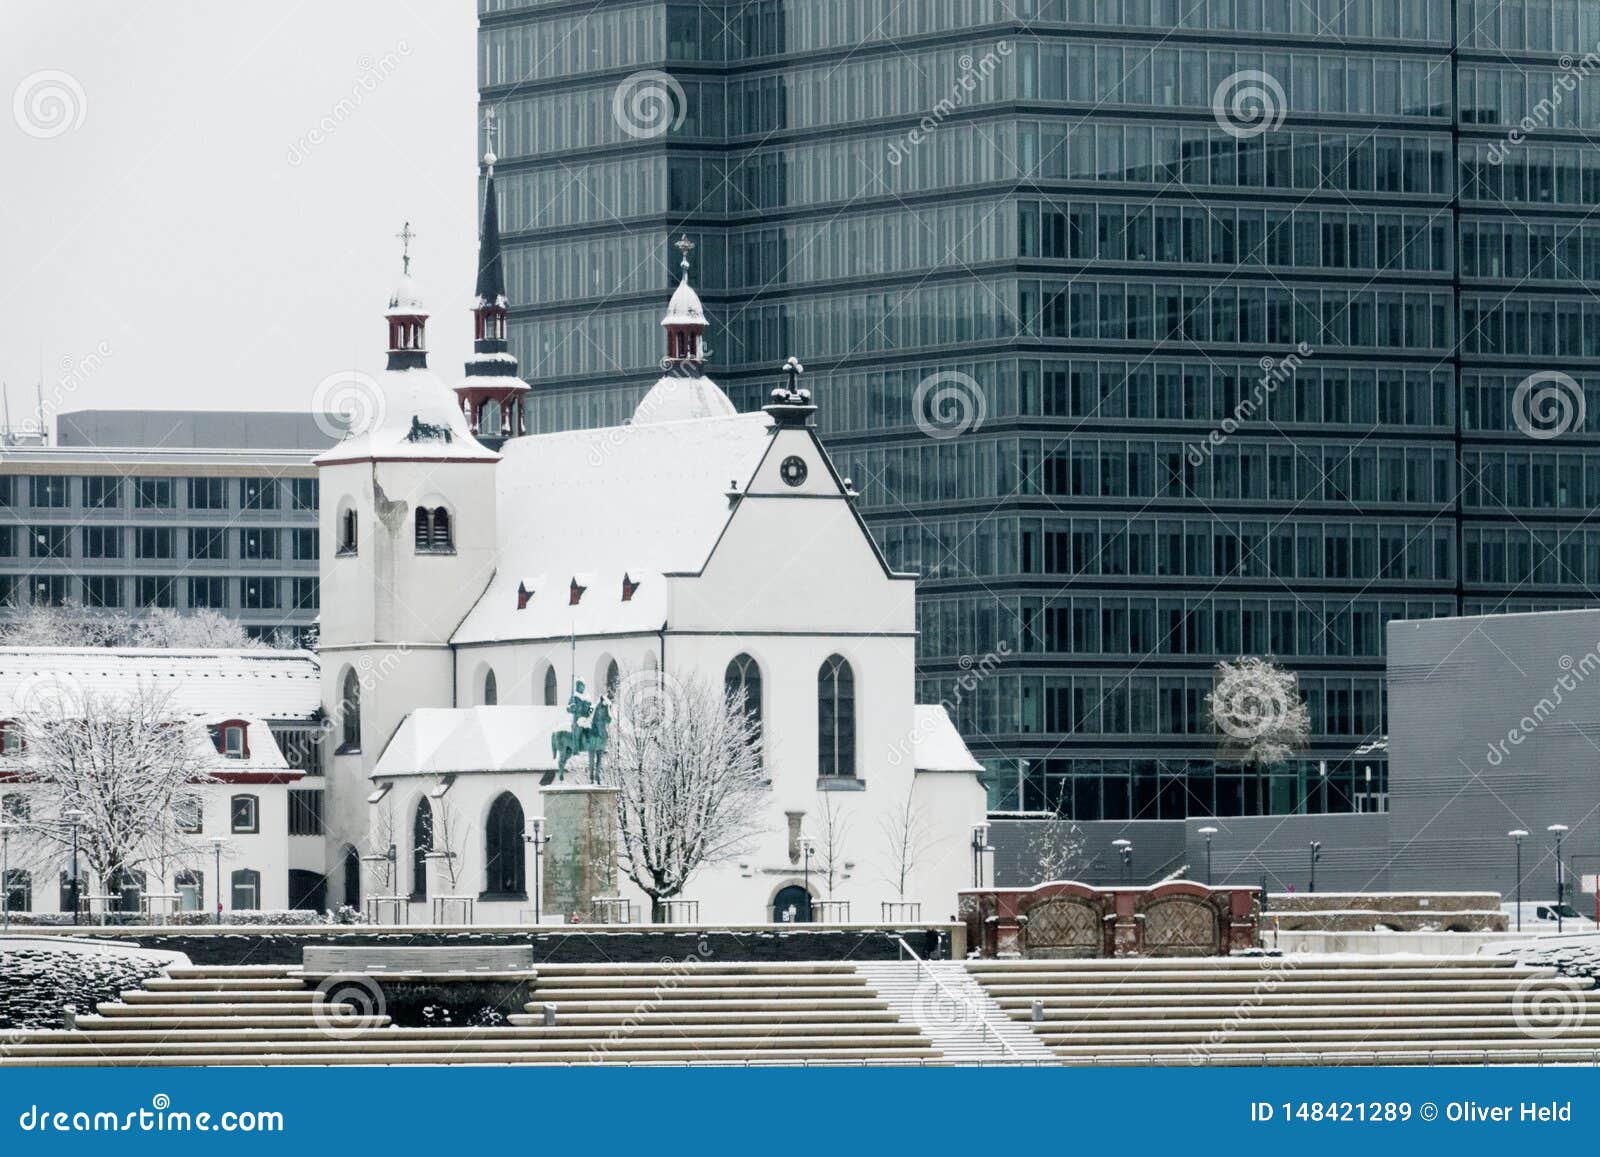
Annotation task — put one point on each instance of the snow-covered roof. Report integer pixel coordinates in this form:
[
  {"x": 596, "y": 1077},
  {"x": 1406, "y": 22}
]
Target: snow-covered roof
[
  {"x": 642, "y": 500},
  {"x": 262, "y": 684},
  {"x": 682, "y": 399},
  {"x": 406, "y": 300},
  {"x": 937, "y": 744},
  {"x": 413, "y": 416},
  {"x": 684, "y": 308},
  {"x": 463, "y": 740}
]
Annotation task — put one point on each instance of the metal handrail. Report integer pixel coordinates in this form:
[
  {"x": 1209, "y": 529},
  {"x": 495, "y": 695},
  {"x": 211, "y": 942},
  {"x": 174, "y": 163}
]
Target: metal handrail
[{"x": 984, "y": 1027}]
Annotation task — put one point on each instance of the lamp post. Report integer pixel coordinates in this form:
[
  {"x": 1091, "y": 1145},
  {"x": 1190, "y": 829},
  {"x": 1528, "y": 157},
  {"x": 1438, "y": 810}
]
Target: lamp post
[
  {"x": 980, "y": 844},
  {"x": 1208, "y": 832},
  {"x": 74, "y": 819},
  {"x": 1125, "y": 850},
  {"x": 5, "y": 873},
  {"x": 536, "y": 838},
  {"x": 216, "y": 847},
  {"x": 1516, "y": 834},
  {"x": 1559, "y": 830},
  {"x": 1322, "y": 776},
  {"x": 807, "y": 846},
  {"x": 1316, "y": 854}
]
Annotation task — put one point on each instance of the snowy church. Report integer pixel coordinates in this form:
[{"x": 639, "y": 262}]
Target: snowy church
[{"x": 486, "y": 591}]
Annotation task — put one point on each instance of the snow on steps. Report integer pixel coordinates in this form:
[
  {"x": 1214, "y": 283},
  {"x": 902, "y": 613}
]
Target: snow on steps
[{"x": 953, "y": 1012}]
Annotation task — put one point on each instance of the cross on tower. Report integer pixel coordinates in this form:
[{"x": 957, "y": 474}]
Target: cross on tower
[
  {"x": 489, "y": 129},
  {"x": 405, "y": 235},
  {"x": 684, "y": 246}
]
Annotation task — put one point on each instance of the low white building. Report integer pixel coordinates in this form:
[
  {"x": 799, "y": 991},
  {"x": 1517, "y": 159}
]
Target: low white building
[
  {"x": 465, "y": 591},
  {"x": 255, "y": 720}
]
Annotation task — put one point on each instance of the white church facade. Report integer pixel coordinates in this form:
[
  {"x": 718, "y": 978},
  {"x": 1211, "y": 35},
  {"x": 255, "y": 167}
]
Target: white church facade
[{"x": 472, "y": 575}]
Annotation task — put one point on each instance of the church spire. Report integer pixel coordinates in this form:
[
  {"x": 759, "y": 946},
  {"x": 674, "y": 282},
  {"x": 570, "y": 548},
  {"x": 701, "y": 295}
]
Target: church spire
[
  {"x": 408, "y": 318},
  {"x": 685, "y": 322},
  {"x": 491, "y": 394}
]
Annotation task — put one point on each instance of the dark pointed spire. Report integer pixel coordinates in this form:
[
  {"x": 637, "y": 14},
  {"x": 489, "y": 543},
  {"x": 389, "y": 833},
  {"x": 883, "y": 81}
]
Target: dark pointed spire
[{"x": 491, "y": 274}]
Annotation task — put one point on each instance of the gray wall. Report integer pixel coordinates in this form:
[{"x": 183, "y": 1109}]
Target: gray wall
[
  {"x": 1494, "y": 724},
  {"x": 185, "y": 429}
]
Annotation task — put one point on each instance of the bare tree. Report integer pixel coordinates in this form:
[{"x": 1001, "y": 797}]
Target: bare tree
[
  {"x": 690, "y": 787},
  {"x": 127, "y": 763},
  {"x": 830, "y": 852},
  {"x": 1258, "y": 708},
  {"x": 382, "y": 840},
  {"x": 906, "y": 833},
  {"x": 450, "y": 832}
]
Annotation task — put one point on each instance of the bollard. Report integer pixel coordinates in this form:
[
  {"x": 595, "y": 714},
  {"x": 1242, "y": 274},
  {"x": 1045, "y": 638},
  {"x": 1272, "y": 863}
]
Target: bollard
[
  {"x": 69, "y": 1016},
  {"x": 1038, "y": 1011},
  {"x": 549, "y": 1015}
]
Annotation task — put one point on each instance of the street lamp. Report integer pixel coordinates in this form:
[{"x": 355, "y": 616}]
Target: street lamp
[
  {"x": 1125, "y": 850},
  {"x": 1322, "y": 773},
  {"x": 74, "y": 819},
  {"x": 980, "y": 844},
  {"x": 216, "y": 846},
  {"x": 1559, "y": 830},
  {"x": 5, "y": 873},
  {"x": 1316, "y": 854},
  {"x": 535, "y": 837},
  {"x": 807, "y": 847},
  {"x": 1208, "y": 832},
  {"x": 1517, "y": 834}
]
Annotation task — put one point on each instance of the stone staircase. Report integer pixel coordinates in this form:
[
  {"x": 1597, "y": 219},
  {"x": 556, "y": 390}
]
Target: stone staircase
[
  {"x": 954, "y": 1012},
  {"x": 1312, "y": 1010},
  {"x": 669, "y": 1013}
]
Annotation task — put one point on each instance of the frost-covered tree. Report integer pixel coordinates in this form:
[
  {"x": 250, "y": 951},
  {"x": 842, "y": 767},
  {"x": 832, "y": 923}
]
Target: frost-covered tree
[
  {"x": 833, "y": 831},
  {"x": 1257, "y": 707},
  {"x": 1057, "y": 845},
  {"x": 197, "y": 630},
  {"x": 690, "y": 787},
  {"x": 68, "y": 626},
  {"x": 127, "y": 762}
]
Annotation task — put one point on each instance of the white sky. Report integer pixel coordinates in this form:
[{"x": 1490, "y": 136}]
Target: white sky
[{"x": 173, "y": 225}]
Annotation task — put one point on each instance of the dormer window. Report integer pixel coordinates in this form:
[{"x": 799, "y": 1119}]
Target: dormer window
[{"x": 231, "y": 739}]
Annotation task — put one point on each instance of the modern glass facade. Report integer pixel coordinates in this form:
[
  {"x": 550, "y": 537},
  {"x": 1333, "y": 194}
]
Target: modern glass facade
[{"x": 1233, "y": 386}]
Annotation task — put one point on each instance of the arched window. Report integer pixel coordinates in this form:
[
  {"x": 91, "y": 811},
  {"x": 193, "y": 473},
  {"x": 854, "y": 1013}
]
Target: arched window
[
  {"x": 552, "y": 693},
  {"x": 836, "y": 718},
  {"x": 613, "y": 678},
  {"x": 491, "y": 692},
  {"x": 744, "y": 677},
  {"x": 352, "y": 878},
  {"x": 503, "y": 852},
  {"x": 17, "y": 893},
  {"x": 421, "y": 845},
  {"x": 433, "y": 531},
  {"x": 347, "y": 531},
  {"x": 350, "y": 713},
  {"x": 246, "y": 889}
]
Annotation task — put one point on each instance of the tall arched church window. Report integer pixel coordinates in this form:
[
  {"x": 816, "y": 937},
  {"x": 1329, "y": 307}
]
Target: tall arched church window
[
  {"x": 743, "y": 677},
  {"x": 421, "y": 845},
  {"x": 836, "y": 718},
  {"x": 552, "y": 693},
  {"x": 347, "y": 532},
  {"x": 491, "y": 690},
  {"x": 503, "y": 851},
  {"x": 350, "y": 713}
]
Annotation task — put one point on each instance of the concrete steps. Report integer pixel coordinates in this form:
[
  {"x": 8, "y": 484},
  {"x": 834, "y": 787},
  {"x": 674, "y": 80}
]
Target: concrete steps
[
  {"x": 1294, "y": 1011},
  {"x": 673, "y": 1013}
]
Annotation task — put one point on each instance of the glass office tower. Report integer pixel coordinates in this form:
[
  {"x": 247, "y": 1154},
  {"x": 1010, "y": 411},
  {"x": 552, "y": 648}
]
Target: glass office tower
[{"x": 1153, "y": 332}]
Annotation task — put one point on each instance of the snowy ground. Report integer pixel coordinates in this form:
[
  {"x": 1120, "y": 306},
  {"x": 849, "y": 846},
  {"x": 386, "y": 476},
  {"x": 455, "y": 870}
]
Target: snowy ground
[
  {"x": 38, "y": 976},
  {"x": 1572, "y": 955}
]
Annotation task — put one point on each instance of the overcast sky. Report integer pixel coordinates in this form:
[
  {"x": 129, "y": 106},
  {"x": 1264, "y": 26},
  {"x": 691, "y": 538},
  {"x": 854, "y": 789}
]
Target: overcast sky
[{"x": 174, "y": 235}]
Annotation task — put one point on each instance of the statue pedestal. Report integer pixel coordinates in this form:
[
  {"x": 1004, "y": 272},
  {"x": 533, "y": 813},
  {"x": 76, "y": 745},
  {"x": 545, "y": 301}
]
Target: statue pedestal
[{"x": 580, "y": 860}]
